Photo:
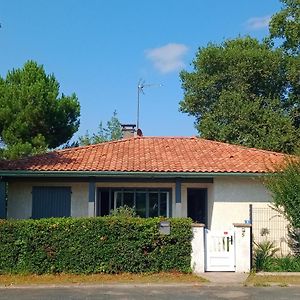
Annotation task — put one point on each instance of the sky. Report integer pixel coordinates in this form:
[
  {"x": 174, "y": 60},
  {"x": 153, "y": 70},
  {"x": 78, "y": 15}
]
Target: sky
[{"x": 101, "y": 49}]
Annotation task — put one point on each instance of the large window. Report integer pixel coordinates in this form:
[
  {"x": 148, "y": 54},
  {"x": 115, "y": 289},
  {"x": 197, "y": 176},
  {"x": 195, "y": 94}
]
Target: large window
[{"x": 147, "y": 203}]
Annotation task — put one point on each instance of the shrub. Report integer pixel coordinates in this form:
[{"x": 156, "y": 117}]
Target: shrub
[
  {"x": 294, "y": 240},
  {"x": 264, "y": 253},
  {"x": 93, "y": 245},
  {"x": 124, "y": 211},
  {"x": 285, "y": 264}
]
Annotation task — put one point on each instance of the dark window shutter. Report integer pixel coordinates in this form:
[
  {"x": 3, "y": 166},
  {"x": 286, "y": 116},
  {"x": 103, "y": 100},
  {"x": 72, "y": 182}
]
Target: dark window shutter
[{"x": 50, "y": 202}]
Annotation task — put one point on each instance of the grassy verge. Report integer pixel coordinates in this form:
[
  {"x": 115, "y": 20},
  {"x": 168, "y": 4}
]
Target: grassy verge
[
  {"x": 268, "y": 280},
  {"x": 158, "y": 278}
]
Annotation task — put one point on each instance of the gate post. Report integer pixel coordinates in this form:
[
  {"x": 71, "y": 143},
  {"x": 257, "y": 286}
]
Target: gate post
[
  {"x": 198, "y": 255},
  {"x": 242, "y": 247}
]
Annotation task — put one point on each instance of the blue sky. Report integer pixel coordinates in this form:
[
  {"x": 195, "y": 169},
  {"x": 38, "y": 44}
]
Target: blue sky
[{"x": 100, "y": 49}]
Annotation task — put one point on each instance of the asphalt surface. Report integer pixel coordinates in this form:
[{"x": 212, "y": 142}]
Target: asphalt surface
[{"x": 173, "y": 292}]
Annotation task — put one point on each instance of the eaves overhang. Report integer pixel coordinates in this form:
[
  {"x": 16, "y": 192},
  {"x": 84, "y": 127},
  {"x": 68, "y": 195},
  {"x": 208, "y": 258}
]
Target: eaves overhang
[{"x": 114, "y": 174}]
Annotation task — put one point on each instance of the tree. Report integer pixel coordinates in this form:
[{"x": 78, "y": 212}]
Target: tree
[
  {"x": 33, "y": 117},
  {"x": 240, "y": 92},
  {"x": 112, "y": 132},
  {"x": 285, "y": 25},
  {"x": 285, "y": 188}
]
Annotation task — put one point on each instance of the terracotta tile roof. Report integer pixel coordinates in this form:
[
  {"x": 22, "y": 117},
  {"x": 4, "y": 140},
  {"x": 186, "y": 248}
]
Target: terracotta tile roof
[{"x": 154, "y": 154}]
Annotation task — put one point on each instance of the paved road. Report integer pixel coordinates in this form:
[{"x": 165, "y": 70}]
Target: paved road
[{"x": 151, "y": 292}]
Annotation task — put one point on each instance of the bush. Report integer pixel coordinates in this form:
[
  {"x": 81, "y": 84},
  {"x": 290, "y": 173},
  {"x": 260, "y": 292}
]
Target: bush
[
  {"x": 264, "y": 253},
  {"x": 285, "y": 264},
  {"x": 94, "y": 245},
  {"x": 124, "y": 211},
  {"x": 294, "y": 240}
]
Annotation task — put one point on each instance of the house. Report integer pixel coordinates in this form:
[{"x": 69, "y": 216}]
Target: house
[{"x": 211, "y": 182}]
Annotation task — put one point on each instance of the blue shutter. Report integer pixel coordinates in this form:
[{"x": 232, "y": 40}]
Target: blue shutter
[{"x": 50, "y": 202}]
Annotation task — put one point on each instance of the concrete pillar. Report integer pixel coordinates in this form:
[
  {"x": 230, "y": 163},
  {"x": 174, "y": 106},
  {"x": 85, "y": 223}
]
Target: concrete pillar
[
  {"x": 92, "y": 197},
  {"x": 198, "y": 250},
  {"x": 242, "y": 247}
]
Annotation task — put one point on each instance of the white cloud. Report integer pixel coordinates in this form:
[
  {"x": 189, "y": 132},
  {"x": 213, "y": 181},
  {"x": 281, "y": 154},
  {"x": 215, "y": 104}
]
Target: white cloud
[
  {"x": 167, "y": 58},
  {"x": 257, "y": 23}
]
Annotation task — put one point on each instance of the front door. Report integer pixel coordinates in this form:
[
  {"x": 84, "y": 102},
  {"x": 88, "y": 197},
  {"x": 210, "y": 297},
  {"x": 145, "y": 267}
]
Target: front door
[{"x": 197, "y": 205}]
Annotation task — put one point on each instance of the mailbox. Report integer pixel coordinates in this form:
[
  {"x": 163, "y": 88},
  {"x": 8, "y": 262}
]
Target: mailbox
[{"x": 164, "y": 227}]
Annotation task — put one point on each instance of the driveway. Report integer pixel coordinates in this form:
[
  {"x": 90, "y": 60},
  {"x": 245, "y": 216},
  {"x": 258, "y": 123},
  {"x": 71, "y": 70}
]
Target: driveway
[{"x": 150, "y": 292}]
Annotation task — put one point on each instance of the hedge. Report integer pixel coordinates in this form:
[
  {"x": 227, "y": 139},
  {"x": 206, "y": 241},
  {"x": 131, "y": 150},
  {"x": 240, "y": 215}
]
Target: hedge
[{"x": 93, "y": 245}]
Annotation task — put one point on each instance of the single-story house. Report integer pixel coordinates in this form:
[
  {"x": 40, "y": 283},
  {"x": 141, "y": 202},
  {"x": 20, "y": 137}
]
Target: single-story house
[{"x": 211, "y": 182}]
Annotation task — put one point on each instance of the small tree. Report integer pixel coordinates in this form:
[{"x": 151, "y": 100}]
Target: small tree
[
  {"x": 112, "y": 132},
  {"x": 285, "y": 188}
]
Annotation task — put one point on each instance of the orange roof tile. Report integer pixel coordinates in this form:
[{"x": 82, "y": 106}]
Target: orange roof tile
[{"x": 154, "y": 154}]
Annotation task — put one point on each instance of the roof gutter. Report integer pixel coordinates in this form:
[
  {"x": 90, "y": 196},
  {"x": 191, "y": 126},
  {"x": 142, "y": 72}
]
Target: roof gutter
[{"x": 111, "y": 174}]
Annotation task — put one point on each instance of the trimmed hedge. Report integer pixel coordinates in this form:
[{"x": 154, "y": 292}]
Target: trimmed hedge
[{"x": 94, "y": 245}]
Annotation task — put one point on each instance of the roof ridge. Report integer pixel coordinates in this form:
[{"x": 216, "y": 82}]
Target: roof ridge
[
  {"x": 95, "y": 145},
  {"x": 172, "y": 138}
]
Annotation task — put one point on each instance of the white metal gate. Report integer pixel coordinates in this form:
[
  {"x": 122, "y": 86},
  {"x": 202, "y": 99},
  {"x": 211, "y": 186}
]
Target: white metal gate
[{"x": 220, "y": 250}]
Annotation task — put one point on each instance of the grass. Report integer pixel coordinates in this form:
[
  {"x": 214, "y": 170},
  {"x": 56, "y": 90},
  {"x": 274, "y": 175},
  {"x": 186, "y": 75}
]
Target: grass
[
  {"x": 268, "y": 280},
  {"x": 61, "y": 279}
]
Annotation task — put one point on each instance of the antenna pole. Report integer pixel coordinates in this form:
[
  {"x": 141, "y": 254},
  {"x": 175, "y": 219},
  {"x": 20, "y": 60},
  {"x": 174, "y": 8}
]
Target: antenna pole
[
  {"x": 140, "y": 88},
  {"x": 138, "y": 107}
]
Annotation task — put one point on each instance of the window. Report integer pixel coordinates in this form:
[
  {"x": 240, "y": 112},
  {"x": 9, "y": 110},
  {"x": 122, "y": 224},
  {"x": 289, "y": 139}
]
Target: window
[{"x": 147, "y": 203}]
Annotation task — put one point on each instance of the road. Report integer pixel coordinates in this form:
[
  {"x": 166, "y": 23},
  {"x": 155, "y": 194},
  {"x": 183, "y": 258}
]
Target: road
[{"x": 150, "y": 292}]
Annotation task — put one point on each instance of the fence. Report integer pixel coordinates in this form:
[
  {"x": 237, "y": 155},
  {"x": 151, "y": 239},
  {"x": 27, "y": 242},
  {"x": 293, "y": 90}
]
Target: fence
[{"x": 268, "y": 224}]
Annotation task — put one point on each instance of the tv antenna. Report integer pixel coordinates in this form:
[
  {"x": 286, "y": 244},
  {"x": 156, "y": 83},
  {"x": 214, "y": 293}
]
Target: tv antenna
[{"x": 140, "y": 89}]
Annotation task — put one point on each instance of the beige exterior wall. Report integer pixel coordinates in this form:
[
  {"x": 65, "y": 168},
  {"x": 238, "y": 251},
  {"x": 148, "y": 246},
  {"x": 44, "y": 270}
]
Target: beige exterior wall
[
  {"x": 20, "y": 198},
  {"x": 228, "y": 198}
]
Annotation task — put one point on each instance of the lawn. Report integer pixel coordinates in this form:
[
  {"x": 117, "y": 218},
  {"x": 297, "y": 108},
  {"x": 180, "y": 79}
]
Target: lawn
[
  {"x": 61, "y": 279},
  {"x": 276, "y": 279}
]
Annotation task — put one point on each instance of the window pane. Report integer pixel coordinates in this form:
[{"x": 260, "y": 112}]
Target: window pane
[
  {"x": 119, "y": 199},
  {"x": 163, "y": 204},
  {"x": 153, "y": 205},
  {"x": 129, "y": 199},
  {"x": 140, "y": 204}
]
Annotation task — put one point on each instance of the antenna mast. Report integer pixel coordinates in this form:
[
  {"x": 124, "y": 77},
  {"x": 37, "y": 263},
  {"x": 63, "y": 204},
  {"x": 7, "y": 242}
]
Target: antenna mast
[{"x": 140, "y": 88}]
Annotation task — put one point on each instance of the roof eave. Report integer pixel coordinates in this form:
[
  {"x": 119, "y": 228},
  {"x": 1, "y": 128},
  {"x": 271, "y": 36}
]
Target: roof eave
[{"x": 18, "y": 173}]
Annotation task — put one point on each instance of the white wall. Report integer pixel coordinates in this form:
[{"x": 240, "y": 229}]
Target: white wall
[
  {"x": 228, "y": 199},
  {"x": 20, "y": 198}
]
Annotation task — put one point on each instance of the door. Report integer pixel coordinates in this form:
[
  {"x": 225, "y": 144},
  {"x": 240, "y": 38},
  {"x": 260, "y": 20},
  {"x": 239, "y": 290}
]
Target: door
[
  {"x": 220, "y": 250},
  {"x": 104, "y": 202},
  {"x": 197, "y": 205}
]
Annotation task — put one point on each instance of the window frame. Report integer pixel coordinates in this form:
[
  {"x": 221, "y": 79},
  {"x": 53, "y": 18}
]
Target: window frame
[{"x": 114, "y": 192}]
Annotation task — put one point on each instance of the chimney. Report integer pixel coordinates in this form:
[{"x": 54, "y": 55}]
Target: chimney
[{"x": 128, "y": 130}]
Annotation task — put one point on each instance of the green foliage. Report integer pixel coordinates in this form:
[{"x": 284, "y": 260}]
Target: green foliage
[
  {"x": 94, "y": 245},
  {"x": 284, "y": 264},
  {"x": 264, "y": 252},
  {"x": 32, "y": 115},
  {"x": 285, "y": 25},
  {"x": 285, "y": 188},
  {"x": 112, "y": 132},
  {"x": 294, "y": 240},
  {"x": 124, "y": 212},
  {"x": 244, "y": 92}
]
